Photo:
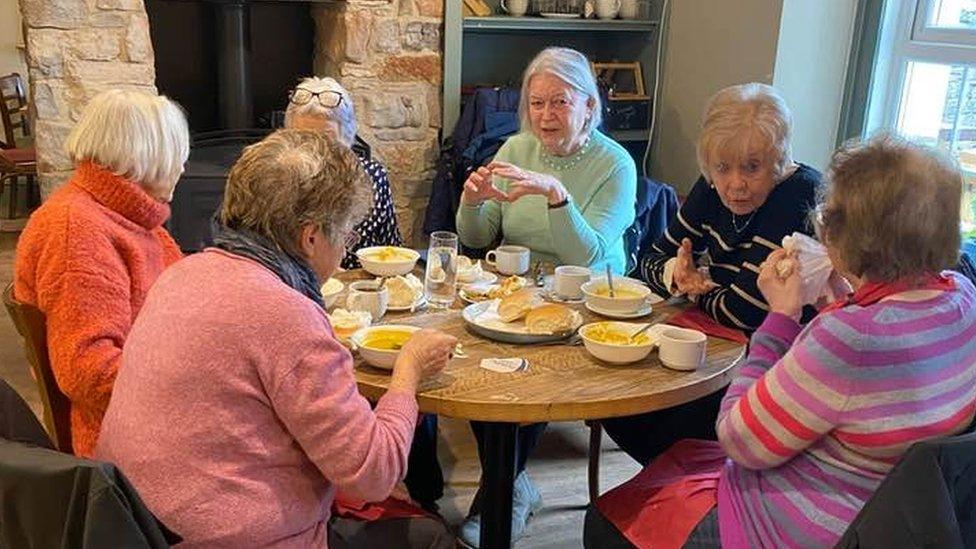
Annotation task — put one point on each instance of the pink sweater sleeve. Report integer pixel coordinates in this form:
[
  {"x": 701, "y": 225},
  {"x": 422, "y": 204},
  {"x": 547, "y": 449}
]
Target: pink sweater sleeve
[
  {"x": 361, "y": 450},
  {"x": 785, "y": 396}
]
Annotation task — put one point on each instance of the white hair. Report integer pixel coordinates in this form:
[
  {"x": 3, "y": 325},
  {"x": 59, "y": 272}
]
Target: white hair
[
  {"x": 573, "y": 68},
  {"x": 138, "y": 135},
  {"x": 736, "y": 114},
  {"x": 343, "y": 115}
]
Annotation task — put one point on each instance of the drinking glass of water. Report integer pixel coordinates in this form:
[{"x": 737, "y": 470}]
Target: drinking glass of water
[{"x": 441, "y": 274}]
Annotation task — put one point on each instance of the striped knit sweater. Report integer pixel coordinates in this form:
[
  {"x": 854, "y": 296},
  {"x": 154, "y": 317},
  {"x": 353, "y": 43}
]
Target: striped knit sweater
[
  {"x": 818, "y": 416},
  {"x": 734, "y": 255}
]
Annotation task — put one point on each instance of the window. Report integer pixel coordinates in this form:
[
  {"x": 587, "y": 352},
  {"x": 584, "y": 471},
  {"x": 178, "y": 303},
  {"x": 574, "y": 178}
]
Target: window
[{"x": 925, "y": 83}]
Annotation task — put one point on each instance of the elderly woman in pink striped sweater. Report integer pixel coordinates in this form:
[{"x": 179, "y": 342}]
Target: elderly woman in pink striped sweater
[
  {"x": 818, "y": 415},
  {"x": 235, "y": 412}
]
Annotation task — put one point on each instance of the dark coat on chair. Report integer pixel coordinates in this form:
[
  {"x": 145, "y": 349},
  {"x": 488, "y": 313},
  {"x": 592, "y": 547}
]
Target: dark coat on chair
[
  {"x": 52, "y": 499},
  {"x": 927, "y": 500}
]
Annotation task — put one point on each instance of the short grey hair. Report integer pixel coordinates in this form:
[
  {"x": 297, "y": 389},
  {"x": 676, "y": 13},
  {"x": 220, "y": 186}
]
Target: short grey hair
[
  {"x": 293, "y": 178},
  {"x": 573, "y": 68},
  {"x": 736, "y": 113},
  {"x": 344, "y": 115},
  {"x": 138, "y": 135}
]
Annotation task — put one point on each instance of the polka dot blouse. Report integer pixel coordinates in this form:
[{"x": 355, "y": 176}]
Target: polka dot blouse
[{"x": 379, "y": 228}]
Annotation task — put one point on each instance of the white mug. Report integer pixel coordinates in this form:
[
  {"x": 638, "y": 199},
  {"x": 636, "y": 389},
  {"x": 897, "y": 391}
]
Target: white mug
[
  {"x": 569, "y": 280},
  {"x": 509, "y": 260},
  {"x": 607, "y": 9},
  {"x": 364, "y": 297},
  {"x": 681, "y": 348},
  {"x": 515, "y": 7},
  {"x": 628, "y": 9}
]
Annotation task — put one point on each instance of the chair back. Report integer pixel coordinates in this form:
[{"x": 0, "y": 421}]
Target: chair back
[
  {"x": 32, "y": 326},
  {"x": 13, "y": 110}
]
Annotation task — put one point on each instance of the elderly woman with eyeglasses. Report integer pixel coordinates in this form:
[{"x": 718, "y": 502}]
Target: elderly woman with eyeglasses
[
  {"x": 236, "y": 413},
  {"x": 89, "y": 255},
  {"x": 817, "y": 416},
  {"x": 323, "y": 105}
]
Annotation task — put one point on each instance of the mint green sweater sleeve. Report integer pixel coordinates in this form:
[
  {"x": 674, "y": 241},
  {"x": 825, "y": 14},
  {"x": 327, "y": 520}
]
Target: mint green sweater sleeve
[
  {"x": 586, "y": 238},
  {"x": 479, "y": 226}
]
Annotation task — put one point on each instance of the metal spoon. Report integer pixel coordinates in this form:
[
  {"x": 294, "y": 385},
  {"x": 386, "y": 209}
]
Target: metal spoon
[
  {"x": 633, "y": 336},
  {"x": 610, "y": 280}
]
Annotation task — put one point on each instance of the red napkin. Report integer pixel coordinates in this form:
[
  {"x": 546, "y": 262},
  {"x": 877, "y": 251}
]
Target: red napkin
[
  {"x": 697, "y": 320},
  {"x": 390, "y": 508}
]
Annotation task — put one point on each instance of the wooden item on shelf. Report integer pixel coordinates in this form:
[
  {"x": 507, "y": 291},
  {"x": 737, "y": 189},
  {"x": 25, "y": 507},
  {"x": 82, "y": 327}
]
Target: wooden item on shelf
[
  {"x": 476, "y": 8},
  {"x": 625, "y": 80}
]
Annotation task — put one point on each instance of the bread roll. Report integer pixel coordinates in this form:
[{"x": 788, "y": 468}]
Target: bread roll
[
  {"x": 515, "y": 306},
  {"x": 550, "y": 318}
]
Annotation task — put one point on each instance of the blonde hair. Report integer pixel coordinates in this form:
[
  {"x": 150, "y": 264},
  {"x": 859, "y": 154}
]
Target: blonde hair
[
  {"x": 571, "y": 67},
  {"x": 343, "y": 114},
  {"x": 890, "y": 209},
  {"x": 293, "y": 178},
  {"x": 137, "y": 135},
  {"x": 738, "y": 114}
]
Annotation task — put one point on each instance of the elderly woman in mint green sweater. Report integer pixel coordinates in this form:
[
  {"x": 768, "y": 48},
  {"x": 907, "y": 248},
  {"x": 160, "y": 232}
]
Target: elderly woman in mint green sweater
[{"x": 560, "y": 187}]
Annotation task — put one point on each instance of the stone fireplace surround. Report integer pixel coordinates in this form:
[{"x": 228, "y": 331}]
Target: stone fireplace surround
[{"x": 386, "y": 52}]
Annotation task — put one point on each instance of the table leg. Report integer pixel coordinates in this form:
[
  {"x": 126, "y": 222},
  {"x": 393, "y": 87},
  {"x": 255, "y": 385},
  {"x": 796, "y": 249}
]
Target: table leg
[{"x": 499, "y": 478}]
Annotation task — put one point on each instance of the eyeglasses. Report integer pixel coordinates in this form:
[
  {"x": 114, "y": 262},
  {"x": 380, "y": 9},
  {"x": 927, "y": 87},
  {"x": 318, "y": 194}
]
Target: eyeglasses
[
  {"x": 350, "y": 240},
  {"x": 327, "y": 98}
]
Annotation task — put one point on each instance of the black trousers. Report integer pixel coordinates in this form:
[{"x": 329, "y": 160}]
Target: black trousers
[
  {"x": 646, "y": 436},
  {"x": 425, "y": 478},
  {"x": 528, "y": 439}
]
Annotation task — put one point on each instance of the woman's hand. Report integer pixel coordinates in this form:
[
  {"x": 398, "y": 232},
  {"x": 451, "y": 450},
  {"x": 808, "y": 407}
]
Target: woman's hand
[
  {"x": 526, "y": 182},
  {"x": 425, "y": 354},
  {"x": 479, "y": 187},
  {"x": 686, "y": 278},
  {"x": 783, "y": 294}
]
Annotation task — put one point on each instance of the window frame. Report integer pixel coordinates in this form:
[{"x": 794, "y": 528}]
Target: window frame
[{"x": 925, "y": 33}]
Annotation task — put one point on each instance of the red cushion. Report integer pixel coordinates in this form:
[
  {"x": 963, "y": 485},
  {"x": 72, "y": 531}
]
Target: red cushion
[{"x": 19, "y": 156}]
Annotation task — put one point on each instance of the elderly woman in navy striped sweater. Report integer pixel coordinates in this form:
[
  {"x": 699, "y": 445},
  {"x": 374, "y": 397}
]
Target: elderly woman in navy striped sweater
[{"x": 750, "y": 195}]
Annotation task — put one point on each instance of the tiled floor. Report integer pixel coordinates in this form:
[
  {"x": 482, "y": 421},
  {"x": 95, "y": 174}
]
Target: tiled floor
[{"x": 558, "y": 466}]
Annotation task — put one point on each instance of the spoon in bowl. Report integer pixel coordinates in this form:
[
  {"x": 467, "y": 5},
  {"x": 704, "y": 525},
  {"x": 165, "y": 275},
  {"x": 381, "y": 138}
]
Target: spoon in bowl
[
  {"x": 610, "y": 280},
  {"x": 633, "y": 336}
]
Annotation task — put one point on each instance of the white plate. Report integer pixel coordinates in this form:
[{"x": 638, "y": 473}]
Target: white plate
[
  {"x": 486, "y": 278},
  {"x": 419, "y": 303},
  {"x": 483, "y": 319},
  {"x": 560, "y": 15},
  {"x": 614, "y": 314}
]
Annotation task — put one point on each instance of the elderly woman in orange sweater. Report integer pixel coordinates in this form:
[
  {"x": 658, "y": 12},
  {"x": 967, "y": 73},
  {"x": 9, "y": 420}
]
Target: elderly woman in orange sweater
[{"x": 89, "y": 255}]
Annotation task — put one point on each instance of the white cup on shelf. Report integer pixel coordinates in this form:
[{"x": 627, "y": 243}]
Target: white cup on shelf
[
  {"x": 629, "y": 9},
  {"x": 515, "y": 8},
  {"x": 607, "y": 9}
]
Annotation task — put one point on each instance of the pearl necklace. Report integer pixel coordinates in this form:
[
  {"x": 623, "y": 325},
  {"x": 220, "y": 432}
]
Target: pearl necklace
[{"x": 562, "y": 163}]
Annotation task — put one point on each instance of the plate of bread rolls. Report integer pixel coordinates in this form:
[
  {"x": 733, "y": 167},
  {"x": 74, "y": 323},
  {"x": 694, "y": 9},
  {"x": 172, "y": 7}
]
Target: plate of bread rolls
[{"x": 522, "y": 317}]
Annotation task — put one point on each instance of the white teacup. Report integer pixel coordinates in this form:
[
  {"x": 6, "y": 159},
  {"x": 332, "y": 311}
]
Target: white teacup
[
  {"x": 515, "y": 7},
  {"x": 681, "y": 348},
  {"x": 569, "y": 280},
  {"x": 607, "y": 9},
  {"x": 509, "y": 260},
  {"x": 364, "y": 297},
  {"x": 629, "y": 9}
]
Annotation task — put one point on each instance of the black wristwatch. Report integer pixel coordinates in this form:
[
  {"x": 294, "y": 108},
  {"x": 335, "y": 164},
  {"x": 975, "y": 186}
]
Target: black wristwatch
[{"x": 562, "y": 203}]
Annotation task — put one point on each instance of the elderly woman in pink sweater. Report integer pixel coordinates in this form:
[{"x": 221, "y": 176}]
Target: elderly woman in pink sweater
[{"x": 236, "y": 415}]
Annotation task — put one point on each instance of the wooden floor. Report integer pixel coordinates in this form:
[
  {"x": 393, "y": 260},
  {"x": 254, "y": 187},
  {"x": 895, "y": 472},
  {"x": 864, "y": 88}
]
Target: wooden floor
[{"x": 558, "y": 466}]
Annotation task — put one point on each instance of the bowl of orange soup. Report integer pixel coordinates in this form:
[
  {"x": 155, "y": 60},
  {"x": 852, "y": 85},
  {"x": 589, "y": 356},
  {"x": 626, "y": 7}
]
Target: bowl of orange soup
[
  {"x": 380, "y": 345},
  {"x": 628, "y": 297}
]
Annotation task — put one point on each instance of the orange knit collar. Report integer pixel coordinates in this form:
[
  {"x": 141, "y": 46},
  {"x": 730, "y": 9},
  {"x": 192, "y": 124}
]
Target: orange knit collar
[{"x": 120, "y": 195}]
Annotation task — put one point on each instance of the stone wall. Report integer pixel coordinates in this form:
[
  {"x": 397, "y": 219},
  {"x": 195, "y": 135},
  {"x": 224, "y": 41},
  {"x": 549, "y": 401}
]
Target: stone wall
[
  {"x": 75, "y": 49},
  {"x": 388, "y": 54}
]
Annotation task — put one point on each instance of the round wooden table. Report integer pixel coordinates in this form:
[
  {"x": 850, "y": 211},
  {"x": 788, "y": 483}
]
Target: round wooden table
[{"x": 561, "y": 383}]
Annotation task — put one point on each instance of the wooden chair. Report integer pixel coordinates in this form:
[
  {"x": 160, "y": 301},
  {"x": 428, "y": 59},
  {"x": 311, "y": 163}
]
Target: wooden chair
[
  {"x": 593, "y": 466},
  {"x": 17, "y": 158},
  {"x": 32, "y": 326}
]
